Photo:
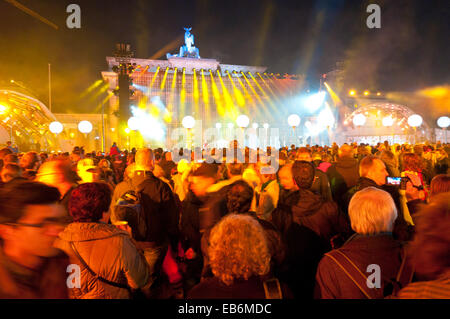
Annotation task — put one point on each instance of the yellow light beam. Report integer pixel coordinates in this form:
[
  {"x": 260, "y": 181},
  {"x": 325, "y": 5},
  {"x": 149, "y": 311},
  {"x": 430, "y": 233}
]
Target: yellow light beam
[
  {"x": 270, "y": 89},
  {"x": 183, "y": 94},
  {"x": 168, "y": 47},
  {"x": 205, "y": 92},
  {"x": 217, "y": 96},
  {"x": 248, "y": 96},
  {"x": 229, "y": 103},
  {"x": 32, "y": 13},
  {"x": 91, "y": 88},
  {"x": 174, "y": 79},
  {"x": 196, "y": 93},
  {"x": 273, "y": 107},
  {"x": 336, "y": 100},
  {"x": 103, "y": 89},
  {"x": 172, "y": 91},
  {"x": 237, "y": 93},
  {"x": 274, "y": 83},
  {"x": 153, "y": 80},
  {"x": 163, "y": 83},
  {"x": 264, "y": 108}
]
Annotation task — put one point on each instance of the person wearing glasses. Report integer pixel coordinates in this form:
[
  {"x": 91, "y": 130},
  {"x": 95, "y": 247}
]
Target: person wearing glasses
[{"x": 30, "y": 221}]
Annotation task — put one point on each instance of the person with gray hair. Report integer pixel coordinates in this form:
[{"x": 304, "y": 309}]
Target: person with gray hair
[{"x": 364, "y": 265}]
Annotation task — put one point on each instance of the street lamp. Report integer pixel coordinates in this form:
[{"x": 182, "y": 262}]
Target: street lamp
[
  {"x": 293, "y": 121},
  {"x": 388, "y": 121},
  {"x": 414, "y": 121},
  {"x": 359, "y": 120},
  {"x": 444, "y": 122},
  {"x": 56, "y": 127},
  {"x": 242, "y": 121},
  {"x": 188, "y": 123},
  {"x": 85, "y": 127}
]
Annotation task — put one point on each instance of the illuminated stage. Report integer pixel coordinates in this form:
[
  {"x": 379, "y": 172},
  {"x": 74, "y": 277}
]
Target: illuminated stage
[{"x": 206, "y": 89}]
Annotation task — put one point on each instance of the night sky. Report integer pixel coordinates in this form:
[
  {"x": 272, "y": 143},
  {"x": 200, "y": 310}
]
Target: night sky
[{"x": 410, "y": 51}]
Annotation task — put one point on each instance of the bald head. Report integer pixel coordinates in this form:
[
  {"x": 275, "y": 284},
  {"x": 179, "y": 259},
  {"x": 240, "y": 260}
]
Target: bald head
[
  {"x": 345, "y": 151},
  {"x": 144, "y": 159}
]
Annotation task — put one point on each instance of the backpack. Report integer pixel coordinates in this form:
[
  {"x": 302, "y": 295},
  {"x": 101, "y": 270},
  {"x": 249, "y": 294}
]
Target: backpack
[{"x": 129, "y": 208}]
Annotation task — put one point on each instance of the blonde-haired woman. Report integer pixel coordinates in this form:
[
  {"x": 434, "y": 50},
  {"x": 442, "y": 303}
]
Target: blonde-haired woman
[{"x": 239, "y": 258}]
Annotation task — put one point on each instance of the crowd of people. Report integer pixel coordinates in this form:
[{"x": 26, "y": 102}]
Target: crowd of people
[{"x": 138, "y": 224}]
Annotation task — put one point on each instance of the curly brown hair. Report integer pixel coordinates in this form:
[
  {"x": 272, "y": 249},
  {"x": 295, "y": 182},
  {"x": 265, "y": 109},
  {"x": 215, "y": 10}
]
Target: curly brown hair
[
  {"x": 238, "y": 249},
  {"x": 412, "y": 162},
  {"x": 429, "y": 249}
]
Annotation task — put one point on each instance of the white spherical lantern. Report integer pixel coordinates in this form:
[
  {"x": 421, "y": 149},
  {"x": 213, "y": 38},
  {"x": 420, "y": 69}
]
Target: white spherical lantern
[
  {"x": 388, "y": 121},
  {"x": 359, "y": 120},
  {"x": 56, "y": 127},
  {"x": 242, "y": 121},
  {"x": 293, "y": 120},
  {"x": 85, "y": 127},
  {"x": 218, "y": 126},
  {"x": 134, "y": 123},
  {"x": 230, "y": 125},
  {"x": 415, "y": 120},
  {"x": 255, "y": 125},
  {"x": 188, "y": 122},
  {"x": 266, "y": 125},
  {"x": 443, "y": 122}
]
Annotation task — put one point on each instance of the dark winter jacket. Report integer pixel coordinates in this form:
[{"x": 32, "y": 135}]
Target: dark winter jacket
[
  {"x": 321, "y": 185},
  {"x": 320, "y": 216},
  {"x": 160, "y": 206},
  {"x": 304, "y": 249},
  {"x": 343, "y": 175},
  {"x": 382, "y": 250}
]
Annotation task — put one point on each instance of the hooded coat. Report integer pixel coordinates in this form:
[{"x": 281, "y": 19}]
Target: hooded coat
[
  {"x": 110, "y": 253},
  {"x": 322, "y": 217},
  {"x": 343, "y": 175}
]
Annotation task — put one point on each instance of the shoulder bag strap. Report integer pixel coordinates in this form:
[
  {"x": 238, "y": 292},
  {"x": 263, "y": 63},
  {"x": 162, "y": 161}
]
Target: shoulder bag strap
[
  {"x": 406, "y": 270},
  {"x": 352, "y": 271},
  {"x": 106, "y": 281}
]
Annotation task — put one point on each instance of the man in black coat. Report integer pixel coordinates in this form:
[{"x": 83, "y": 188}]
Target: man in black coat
[
  {"x": 320, "y": 184},
  {"x": 344, "y": 173},
  {"x": 373, "y": 174},
  {"x": 309, "y": 209}
]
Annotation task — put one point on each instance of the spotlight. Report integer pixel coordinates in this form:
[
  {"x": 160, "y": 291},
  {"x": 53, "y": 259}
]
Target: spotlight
[
  {"x": 134, "y": 123},
  {"x": 366, "y": 93},
  {"x": 313, "y": 102},
  {"x": 352, "y": 93}
]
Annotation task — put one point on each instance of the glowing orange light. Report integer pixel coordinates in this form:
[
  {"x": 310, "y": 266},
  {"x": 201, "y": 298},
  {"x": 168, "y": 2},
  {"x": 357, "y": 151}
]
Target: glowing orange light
[{"x": 352, "y": 92}]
